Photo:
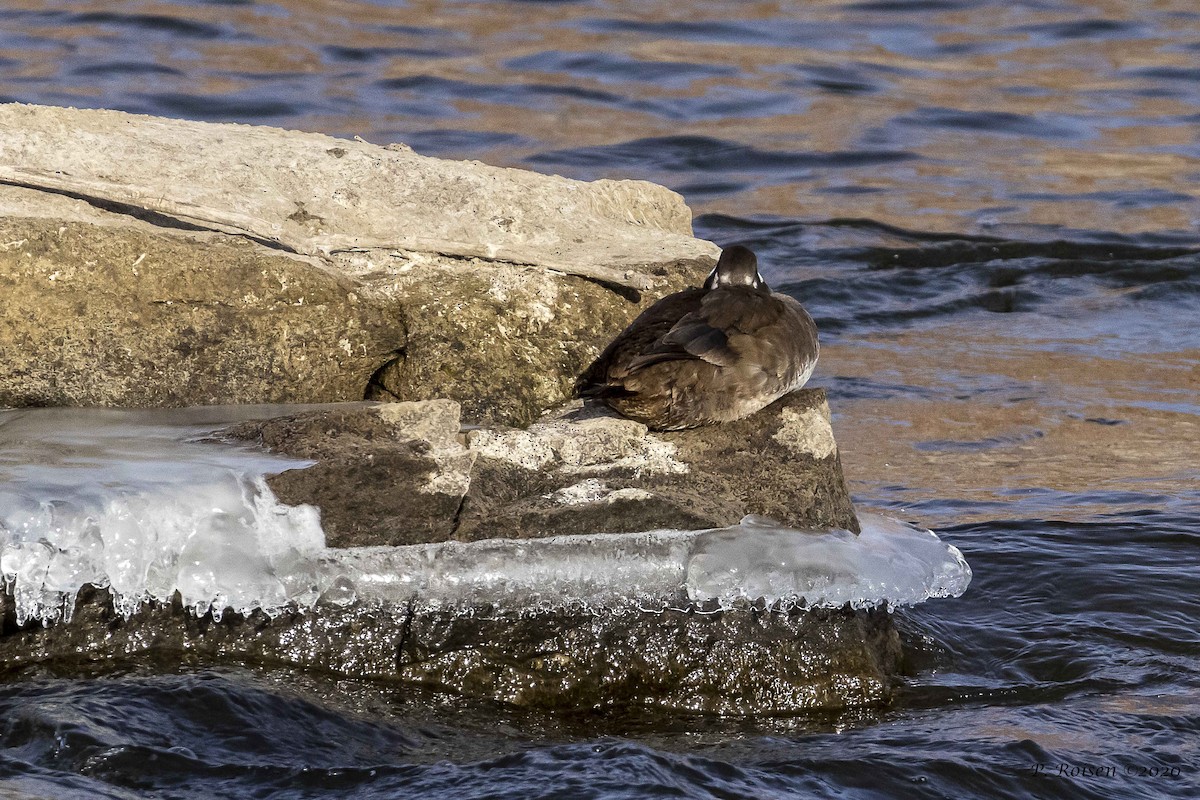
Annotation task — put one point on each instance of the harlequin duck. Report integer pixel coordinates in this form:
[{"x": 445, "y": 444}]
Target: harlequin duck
[{"x": 711, "y": 354}]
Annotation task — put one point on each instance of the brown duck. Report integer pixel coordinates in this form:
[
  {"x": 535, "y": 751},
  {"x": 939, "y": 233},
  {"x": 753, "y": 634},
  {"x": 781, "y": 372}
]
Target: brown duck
[{"x": 710, "y": 354}]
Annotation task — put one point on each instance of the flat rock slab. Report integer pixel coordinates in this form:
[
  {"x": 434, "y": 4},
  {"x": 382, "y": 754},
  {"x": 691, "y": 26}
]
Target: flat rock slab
[
  {"x": 314, "y": 195},
  {"x": 396, "y": 474},
  {"x": 154, "y": 262}
]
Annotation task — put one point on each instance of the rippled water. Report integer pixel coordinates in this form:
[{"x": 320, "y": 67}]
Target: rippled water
[{"x": 991, "y": 209}]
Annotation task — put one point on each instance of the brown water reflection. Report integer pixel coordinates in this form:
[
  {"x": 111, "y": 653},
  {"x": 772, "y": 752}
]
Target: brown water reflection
[
  {"x": 972, "y": 381},
  {"x": 1059, "y": 434},
  {"x": 1077, "y": 114}
]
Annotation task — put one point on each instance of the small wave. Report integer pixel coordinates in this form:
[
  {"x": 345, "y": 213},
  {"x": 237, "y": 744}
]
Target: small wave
[
  {"x": 692, "y": 154},
  {"x": 153, "y": 23},
  {"x": 618, "y": 68},
  {"x": 859, "y": 276}
]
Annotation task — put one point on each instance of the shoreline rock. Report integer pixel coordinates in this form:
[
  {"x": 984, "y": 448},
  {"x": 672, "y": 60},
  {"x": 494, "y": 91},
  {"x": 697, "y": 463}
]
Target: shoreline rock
[
  {"x": 150, "y": 262},
  {"x": 741, "y": 662},
  {"x": 153, "y": 262}
]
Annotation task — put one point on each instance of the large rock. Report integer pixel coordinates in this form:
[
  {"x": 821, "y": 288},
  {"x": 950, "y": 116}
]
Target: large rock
[
  {"x": 150, "y": 262},
  {"x": 403, "y": 473}
]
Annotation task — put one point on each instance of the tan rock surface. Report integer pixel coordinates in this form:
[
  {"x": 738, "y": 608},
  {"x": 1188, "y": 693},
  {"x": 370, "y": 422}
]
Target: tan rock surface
[{"x": 161, "y": 262}]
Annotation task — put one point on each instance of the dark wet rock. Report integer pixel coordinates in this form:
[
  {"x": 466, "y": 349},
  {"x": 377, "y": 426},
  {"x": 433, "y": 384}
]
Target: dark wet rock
[
  {"x": 8, "y": 615},
  {"x": 744, "y": 661},
  {"x": 733, "y": 662},
  {"x": 389, "y": 474},
  {"x": 402, "y": 473}
]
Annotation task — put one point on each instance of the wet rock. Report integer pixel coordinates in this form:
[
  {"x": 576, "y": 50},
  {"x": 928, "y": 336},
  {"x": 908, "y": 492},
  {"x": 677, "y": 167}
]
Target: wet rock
[
  {"x": 153, "y": 262},
  {"x": 747, "y": 661},
  {"x": 402, "y": 474},
  {"x": 389, "y": 474},
  {"x": 734, "y": 662}
]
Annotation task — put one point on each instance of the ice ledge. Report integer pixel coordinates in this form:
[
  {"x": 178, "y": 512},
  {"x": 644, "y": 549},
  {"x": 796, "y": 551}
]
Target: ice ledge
[{"x": 891, "y": 563}]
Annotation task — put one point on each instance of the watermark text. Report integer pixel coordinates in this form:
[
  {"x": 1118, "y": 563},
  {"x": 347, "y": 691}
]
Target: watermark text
[{"x": 1106, "y": 770}]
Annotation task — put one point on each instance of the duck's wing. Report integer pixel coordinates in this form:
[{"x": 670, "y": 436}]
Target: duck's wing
[
  {"x": 603, "y": 377},
  {"x": 722, "y": 331}
]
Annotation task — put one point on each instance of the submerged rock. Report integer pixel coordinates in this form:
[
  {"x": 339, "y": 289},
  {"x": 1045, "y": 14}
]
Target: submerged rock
[
  {"x": 736, "y": 662},
  {"x": 153, "y": 262},
  {"x": 403, "y": 473}
]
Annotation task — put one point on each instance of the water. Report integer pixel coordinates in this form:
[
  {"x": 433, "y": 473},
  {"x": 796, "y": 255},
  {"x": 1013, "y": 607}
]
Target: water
[{"x": 990, "y": 208}]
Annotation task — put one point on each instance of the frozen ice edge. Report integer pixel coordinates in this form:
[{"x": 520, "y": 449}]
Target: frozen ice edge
[
  {"x": 138, "y": 503},
  {"x": 890, "y": 563}
]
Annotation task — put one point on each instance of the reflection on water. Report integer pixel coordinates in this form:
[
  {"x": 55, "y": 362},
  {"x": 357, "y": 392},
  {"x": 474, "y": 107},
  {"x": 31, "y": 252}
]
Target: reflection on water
[
  {"x": 974, "y": 115},
  {"x": 991, "y": 209},
  {"x": 975, "y": 378}
]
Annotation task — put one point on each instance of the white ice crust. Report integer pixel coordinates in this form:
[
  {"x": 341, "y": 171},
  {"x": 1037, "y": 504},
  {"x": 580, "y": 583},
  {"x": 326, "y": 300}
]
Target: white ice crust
[{"x": 141, "y": 503}]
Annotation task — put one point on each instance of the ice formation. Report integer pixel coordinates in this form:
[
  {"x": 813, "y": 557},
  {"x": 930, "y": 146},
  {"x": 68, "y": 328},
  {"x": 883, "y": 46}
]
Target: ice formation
[
  {"x": 141, "y": 503},
  {"x": 890, "y": 563},
  {"x": 135, "y": 502},
  {"x": 605, "y": 569}
]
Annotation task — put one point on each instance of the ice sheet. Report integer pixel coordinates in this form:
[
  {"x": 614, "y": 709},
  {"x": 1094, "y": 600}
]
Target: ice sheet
[
  {"x": 141, "y": 503},
  {"x": 135, "y": 501},
  {"x": 890, "y": 563}
]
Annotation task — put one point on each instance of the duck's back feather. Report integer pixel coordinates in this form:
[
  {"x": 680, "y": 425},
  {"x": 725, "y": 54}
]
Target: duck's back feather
[{"x": 701, "y": 356}]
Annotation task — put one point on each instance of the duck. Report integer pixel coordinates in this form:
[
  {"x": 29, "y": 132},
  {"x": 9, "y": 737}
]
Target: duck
[{"x": 709, "y": 354}]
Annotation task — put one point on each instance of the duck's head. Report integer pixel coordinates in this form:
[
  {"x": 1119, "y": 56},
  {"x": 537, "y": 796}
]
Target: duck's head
[{"x": 738, "y": 266}]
